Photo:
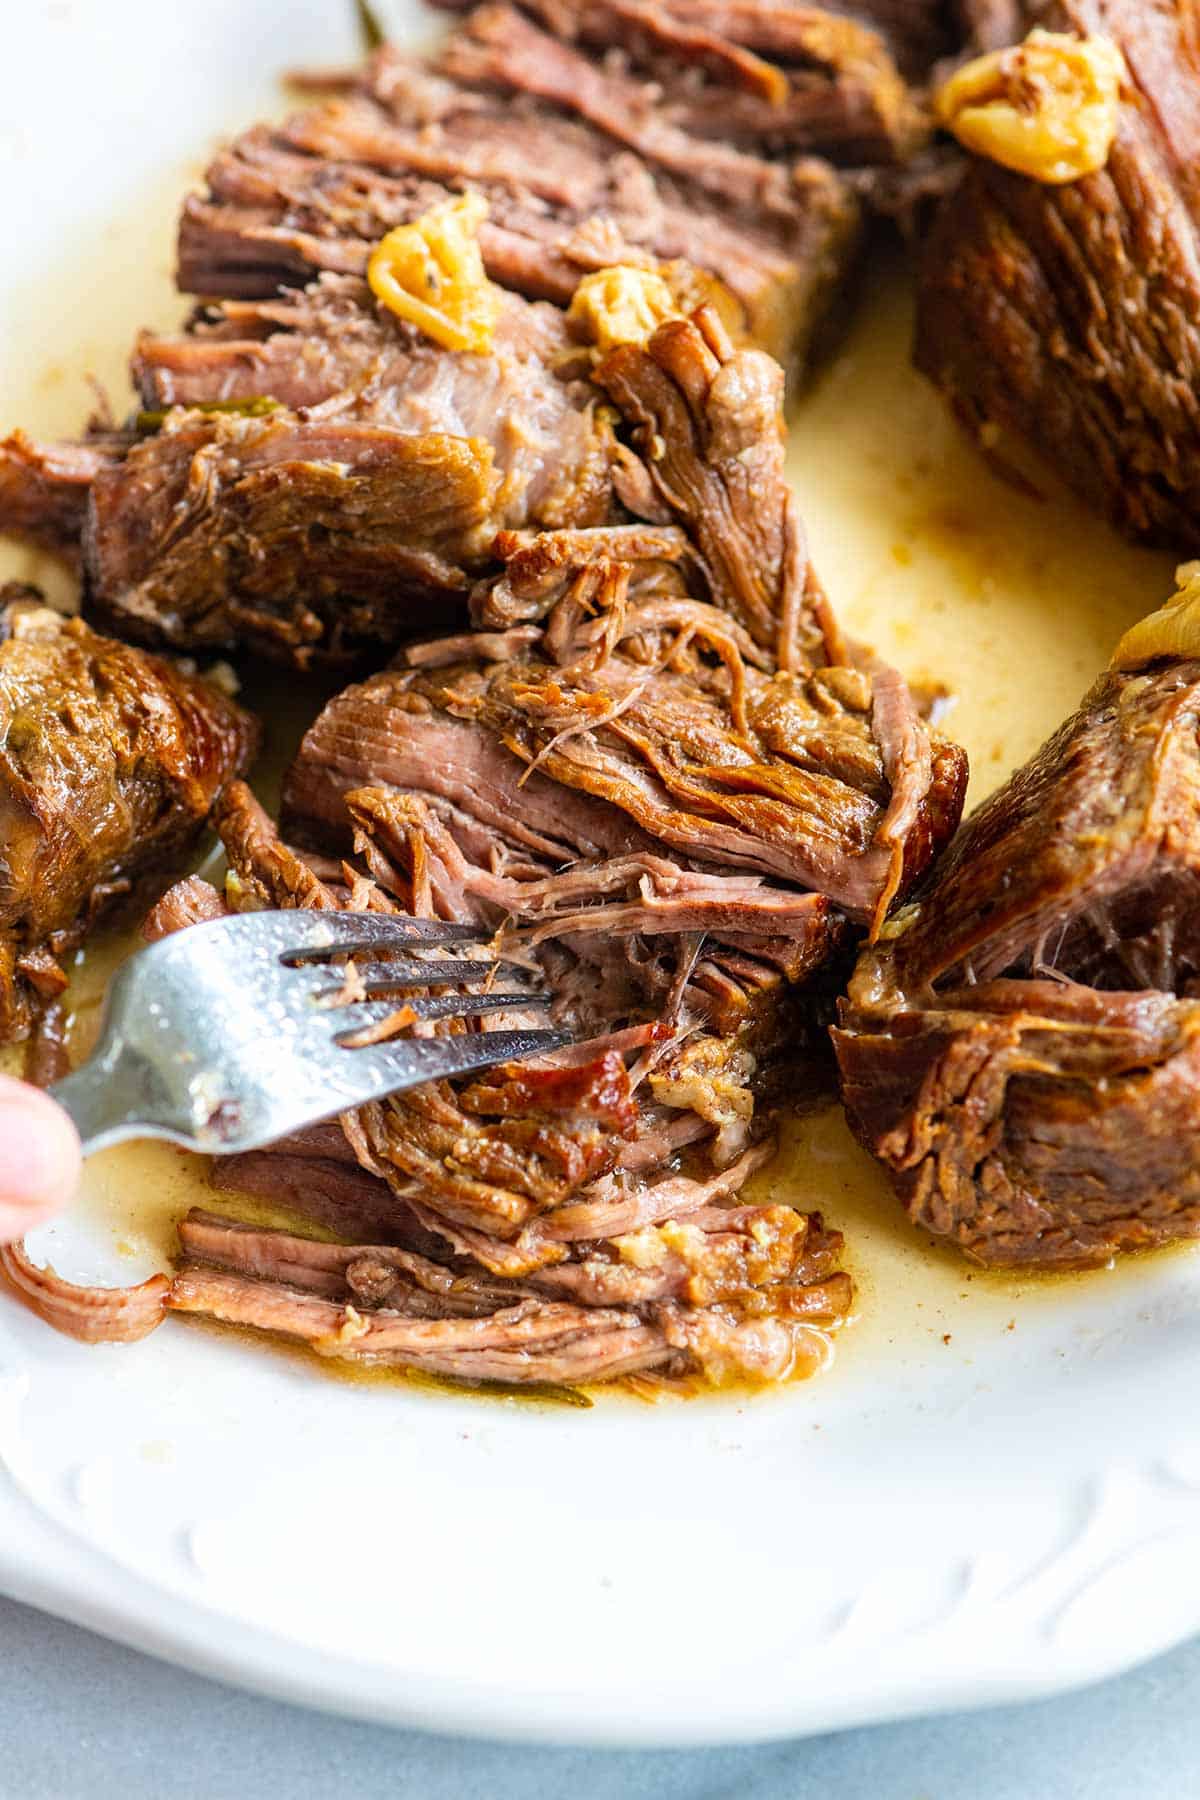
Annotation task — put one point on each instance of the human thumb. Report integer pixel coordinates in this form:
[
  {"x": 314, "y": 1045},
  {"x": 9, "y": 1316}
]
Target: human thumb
[{"x": 39, "y": 1158}]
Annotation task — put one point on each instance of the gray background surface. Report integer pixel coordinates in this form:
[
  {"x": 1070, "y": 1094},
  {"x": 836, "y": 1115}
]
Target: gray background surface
[{"x": 81, "y": 1718}]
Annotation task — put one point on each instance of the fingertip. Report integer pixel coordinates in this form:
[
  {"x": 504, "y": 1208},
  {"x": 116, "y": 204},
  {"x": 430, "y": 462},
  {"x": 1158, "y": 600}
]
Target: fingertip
[{"x": 39, "y": 1157}]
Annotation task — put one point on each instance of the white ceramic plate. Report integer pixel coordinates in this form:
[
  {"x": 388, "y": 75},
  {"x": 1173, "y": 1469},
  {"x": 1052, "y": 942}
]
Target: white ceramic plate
[{"x": 964, "y": 1510}]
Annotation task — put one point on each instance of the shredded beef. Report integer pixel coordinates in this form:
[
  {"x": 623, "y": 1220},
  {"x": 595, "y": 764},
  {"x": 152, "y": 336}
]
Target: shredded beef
[{"x": 669, "y": 820}]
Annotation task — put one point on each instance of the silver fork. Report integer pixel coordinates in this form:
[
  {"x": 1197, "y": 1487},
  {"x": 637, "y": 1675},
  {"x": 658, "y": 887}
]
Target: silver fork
[{"x": 224, "y": 1037}]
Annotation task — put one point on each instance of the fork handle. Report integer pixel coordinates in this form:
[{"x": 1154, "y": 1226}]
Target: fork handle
[{"x": 110, "y": 1099}]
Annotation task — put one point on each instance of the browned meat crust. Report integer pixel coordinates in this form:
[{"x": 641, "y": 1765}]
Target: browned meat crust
[
  {"x": 1025, "y": 1056},
  {"x": 110, "y": 761},
  {"x": 1066, "y": 320}
]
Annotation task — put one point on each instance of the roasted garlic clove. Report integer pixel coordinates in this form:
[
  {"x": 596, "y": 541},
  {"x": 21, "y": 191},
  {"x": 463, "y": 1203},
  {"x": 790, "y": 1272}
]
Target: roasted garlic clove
[
  {"x": 1174, "y": 630},
  {"x": 621, "y": 305},
  {"x": 431, "y": 274},
  {"x": 1046, "y": 108}
]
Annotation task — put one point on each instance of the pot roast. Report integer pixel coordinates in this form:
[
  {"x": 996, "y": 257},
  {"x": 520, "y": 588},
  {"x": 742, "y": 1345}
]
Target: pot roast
[{"x": 311, "y": 476}]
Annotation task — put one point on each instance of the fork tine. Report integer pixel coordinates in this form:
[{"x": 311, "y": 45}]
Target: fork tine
[
  {"x": 317, "y": 935},
  {"x": 353, "y": 1017},
  {"x": 407, "y": 1062},
  {"x": 382, "y": 978}
]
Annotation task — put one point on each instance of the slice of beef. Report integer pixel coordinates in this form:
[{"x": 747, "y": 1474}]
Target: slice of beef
[
  {"x": 768, "y": 77},
  {"x": 565, "y": 195},
  {"x": 1023, "y": 1055},
  {"x": 798, "y": 223},
  {"x": 321, "y": 531},
  {"x": 110, "y": 761},
  {"x": 499, "y": 48},
  {"x": 1064, "y": 321},
  {"x": 296, "y": 538}
]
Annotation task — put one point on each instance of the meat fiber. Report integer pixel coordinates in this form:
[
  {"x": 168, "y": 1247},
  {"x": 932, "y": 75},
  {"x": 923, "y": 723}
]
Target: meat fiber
[
  {"x": 110, "y": 761},
  {"x": 1063, "y": 322},
  {"x": 1022, "y": 1050}
]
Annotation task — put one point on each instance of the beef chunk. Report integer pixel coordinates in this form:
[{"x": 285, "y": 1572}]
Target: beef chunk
[
  {"x": 1022, "y": 1053},
  {"x": 312, "y": 536},
  {"x": 628, "y": 792},
  {"x": 1065, "y": 318},
  {"x": 318, "y": 535},
  {"x": 526, "y": 1185},
  {"x": 763, "y": 76},
  {"x": 109, "y": 763},
  {"x": 44, "y": 490},
  {"x": 306, "y": 535}
]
